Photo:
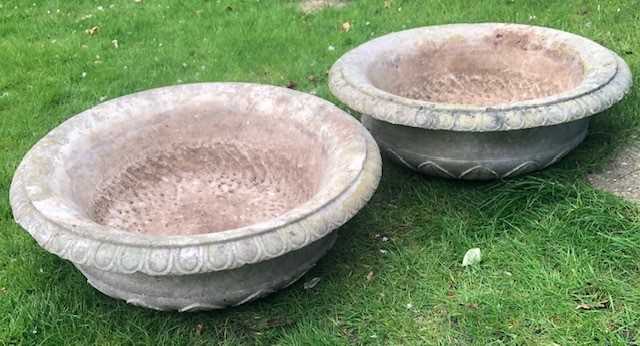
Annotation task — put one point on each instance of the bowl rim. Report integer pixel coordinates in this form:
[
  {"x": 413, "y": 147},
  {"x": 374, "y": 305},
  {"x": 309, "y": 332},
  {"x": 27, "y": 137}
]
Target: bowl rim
[
  {"x": 607, "y": 79},
  {"x": 42, "y": 213}
]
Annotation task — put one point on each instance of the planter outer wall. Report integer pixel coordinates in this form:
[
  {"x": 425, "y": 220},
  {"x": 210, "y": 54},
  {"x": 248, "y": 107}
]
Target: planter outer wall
[
  {"x": 477, "y": 155},
  {"x": 209, "y": 291}
]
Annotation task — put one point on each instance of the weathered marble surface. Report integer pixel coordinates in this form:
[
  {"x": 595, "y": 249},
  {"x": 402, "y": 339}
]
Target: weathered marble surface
[
  {"x": 479, "y": 101},
  {"x": 196, "y": 196}
]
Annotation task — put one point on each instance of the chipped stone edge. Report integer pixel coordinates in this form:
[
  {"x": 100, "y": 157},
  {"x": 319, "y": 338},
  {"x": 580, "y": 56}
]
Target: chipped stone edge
[
  {"x": 605, "y": 86},
  {"x": 200, "y": 256}
]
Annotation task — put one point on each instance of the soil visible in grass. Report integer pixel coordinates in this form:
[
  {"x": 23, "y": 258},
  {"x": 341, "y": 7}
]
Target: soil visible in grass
[{"x": 311, "y": 6}]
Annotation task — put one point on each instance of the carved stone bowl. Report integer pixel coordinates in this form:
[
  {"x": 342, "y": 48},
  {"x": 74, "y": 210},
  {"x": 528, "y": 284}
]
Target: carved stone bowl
[
  {"x": 198, "y": 196},
  {"x": 479, "y": 101}
]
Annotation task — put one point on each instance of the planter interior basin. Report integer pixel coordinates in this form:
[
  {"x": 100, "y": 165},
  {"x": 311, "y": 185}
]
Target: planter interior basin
[
  {"x": 479, "y": 101},
  {"x": 196, "y": 196}
]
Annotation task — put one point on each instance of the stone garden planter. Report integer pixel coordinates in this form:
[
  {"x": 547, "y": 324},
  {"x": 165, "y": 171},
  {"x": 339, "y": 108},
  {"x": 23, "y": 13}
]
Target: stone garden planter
[
  {"x": 196, "y": 196},
  {"x": 479, "y": 101}
]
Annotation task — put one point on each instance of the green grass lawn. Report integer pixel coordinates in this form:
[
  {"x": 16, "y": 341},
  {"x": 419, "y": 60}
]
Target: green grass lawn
[{"x": 550, "y": 241}]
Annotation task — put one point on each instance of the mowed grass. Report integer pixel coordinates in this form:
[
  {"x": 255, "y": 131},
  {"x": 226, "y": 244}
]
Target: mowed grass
[{"x": 550, "y": 242}]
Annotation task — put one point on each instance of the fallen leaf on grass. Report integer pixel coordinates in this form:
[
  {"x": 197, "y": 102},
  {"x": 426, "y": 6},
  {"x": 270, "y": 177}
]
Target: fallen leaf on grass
[
  {"x": 92, "y": 31},
  {"x": 473, "y": 256},
  {"x": 311, "y": 283},
  {"x": 387, "y": 3},
  {"x": 594, "y": 306},
  {"x": 381, "y": 237},
  {"x": 370, "y": 276},
  {"x": 345, "y": 27},
  {"x": 472, "y": 306},
  {"x": 199, "y": 328}
]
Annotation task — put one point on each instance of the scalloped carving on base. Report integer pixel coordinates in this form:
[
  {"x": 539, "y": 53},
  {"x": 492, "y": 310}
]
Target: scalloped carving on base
[
  {"x": 216, "y": 290},
  {"x": 476, "y": 156},
  {"x": 480, "y": 171}
]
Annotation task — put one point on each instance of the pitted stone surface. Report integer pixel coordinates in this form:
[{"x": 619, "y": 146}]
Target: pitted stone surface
[
  {"x": 482, "y": 88},
  {"x": 193, "y": 190},
  {"x": 506, "y": 67}
]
